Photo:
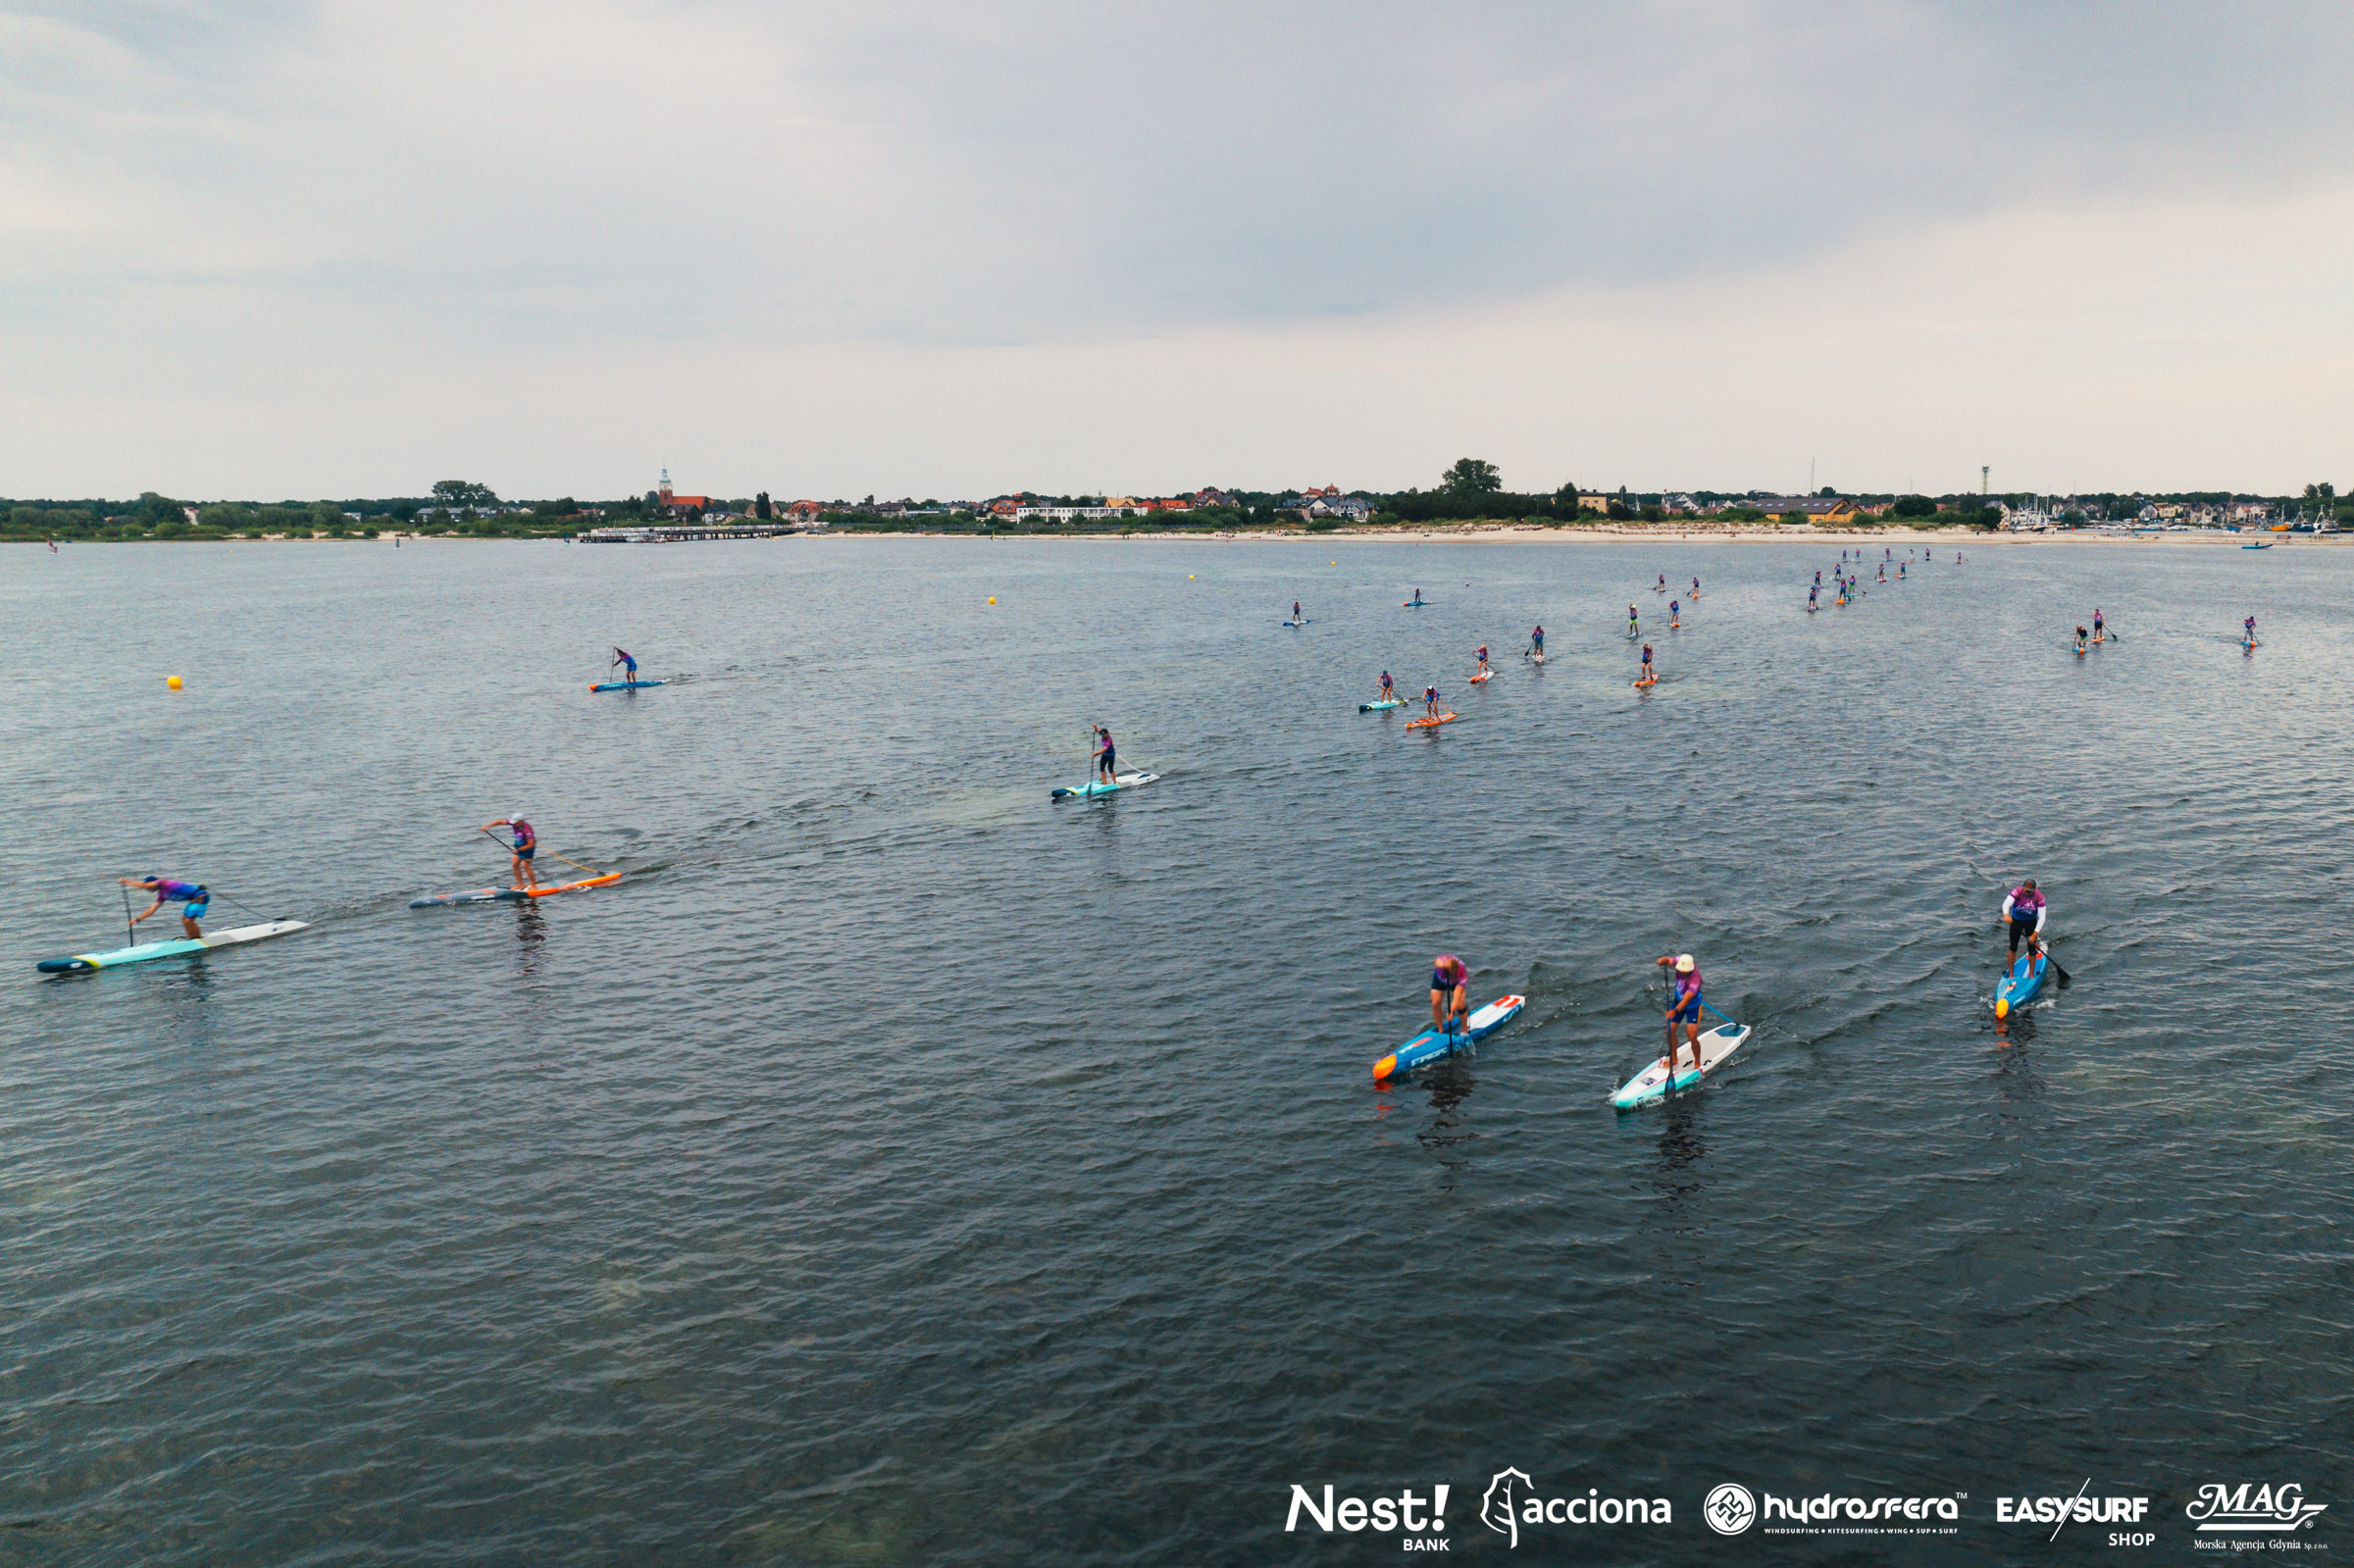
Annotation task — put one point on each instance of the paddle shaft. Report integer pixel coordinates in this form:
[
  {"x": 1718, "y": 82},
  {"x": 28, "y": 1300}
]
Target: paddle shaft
[{"x": 128, "y": 934}]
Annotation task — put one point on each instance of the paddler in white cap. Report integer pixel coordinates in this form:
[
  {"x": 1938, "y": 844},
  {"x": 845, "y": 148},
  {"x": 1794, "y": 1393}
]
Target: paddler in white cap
[{"x": 1683, "y": 1007}]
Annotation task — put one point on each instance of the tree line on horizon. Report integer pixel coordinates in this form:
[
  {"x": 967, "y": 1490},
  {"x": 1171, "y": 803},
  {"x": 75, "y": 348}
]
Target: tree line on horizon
[{"x": 1472, "y": 489}]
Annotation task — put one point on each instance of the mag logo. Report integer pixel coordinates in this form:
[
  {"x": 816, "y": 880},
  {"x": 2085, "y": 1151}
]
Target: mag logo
[
  {"x": 1512, "y": 1501},
  {"x": 1402, "y": 1514},
  {"x": 2247, "y": 1510}
]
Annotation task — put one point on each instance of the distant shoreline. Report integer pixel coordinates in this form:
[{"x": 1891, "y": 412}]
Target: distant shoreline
[
  {"x": 1486, "y": 534},
  {"x": 1462, "y": 533}
]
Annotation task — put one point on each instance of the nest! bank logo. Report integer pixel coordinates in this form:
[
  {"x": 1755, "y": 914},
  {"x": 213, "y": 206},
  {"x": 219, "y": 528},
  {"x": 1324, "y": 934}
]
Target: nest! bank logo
[{"x": 1419, "y": 1518}]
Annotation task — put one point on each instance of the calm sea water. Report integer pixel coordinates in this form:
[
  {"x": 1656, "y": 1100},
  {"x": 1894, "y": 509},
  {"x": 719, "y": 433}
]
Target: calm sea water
[{"x": 900, "y": 1168}]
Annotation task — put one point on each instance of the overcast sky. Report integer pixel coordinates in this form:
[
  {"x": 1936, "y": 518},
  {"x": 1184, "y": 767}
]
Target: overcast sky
[{"x": 272, "y": 248}]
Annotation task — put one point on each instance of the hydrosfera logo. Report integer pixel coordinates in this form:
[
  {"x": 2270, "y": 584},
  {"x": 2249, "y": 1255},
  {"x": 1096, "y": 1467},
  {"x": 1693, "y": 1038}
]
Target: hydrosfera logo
[
  {"x": 2223, "y": 1513},
  {"x": 1512, "y": 1501},
  {"x": 1729, "y": 1509},
  {"x": 1418, "y": 1520},
  {"x": 2081, "y": 1509},
  {"x": 1833, "y": 1514}
]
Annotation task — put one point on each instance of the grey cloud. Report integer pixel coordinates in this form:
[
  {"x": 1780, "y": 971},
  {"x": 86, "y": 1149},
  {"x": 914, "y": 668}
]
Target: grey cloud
[{"x": 617, "y": 170}]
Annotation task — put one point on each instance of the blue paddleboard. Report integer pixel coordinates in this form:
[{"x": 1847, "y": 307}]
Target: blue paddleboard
[
  {"x": 1433, "y": 1044},
  {"x": 2019, "y": 986}
]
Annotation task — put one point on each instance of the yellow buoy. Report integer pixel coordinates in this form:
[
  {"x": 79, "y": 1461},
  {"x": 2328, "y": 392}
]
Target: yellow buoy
[
  {"x": 993, "y": 599},
  {"x": 1188, "y": 577},
  {"x": 173, "y": 682}
]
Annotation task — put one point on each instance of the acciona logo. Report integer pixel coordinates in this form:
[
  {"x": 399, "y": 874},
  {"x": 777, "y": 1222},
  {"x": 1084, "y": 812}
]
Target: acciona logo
[
  {"x": 1512, "y": 1501},
  {"x": 2247, "y": 1509},
  {"x": 1729, "y": 1509}
]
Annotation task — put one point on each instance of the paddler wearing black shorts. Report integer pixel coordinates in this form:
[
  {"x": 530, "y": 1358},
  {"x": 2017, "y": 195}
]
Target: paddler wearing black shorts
[
  {"x": 2024, "y": 908},
  {"x": 1106, "y": 756}
]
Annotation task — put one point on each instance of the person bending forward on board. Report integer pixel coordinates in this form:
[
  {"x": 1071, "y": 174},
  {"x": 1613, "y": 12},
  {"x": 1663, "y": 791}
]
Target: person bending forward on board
[
  {"x": 191, "y": 897},
  {"x": 628, "y": 664},
  {"x": 1683, "y": 1009},
  {"x": 2025, "y": 910},
  {"x": 1106, "y": 756},
  {"x": 522, "y": 850},
  {"x": 1450, "y": 994},
  {"x": 1430, "y": 702},
  {"x": 2082, "y": 635},
  {"x": 1388, "y": 691}
]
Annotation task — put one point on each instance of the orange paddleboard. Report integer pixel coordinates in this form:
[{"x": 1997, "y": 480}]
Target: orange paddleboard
[{"x": 487, "y": 895}]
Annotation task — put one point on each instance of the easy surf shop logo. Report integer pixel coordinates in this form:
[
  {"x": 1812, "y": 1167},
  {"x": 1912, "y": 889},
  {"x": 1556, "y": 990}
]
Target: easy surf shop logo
[
  {"x": 1417, "y": 1520},
  {"x": 1512, "y": 1501},
  {"x": 1833, "y": 1515},
  {"x": 2060, "y": 1512},
  {"x": 2248, "y": 1510}
]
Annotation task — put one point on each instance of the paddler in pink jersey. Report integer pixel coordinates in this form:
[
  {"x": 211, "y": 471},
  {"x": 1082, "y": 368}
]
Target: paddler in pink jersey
[
  {"x": 1683, "y": 1009},
  {"x": 192, "y": 897},
  {"x": 522, "y": 850},
  {"x": 1450, "y": 994},
  {"x": 2024, "y": 908}
]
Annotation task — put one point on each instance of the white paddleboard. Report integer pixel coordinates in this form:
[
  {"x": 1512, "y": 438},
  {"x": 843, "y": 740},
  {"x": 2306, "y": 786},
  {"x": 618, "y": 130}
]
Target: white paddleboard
[
  {"x": 1652, "y": 1083},
  {"x": 1125, "y": 780}
]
